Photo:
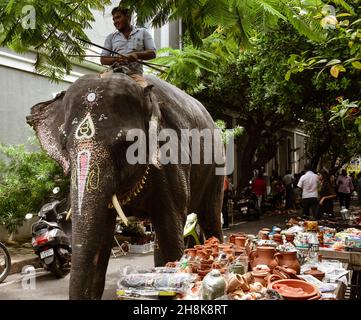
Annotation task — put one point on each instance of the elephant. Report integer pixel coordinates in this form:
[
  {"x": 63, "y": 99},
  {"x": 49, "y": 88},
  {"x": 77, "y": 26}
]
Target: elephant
[{"x": 84, "y": 129}]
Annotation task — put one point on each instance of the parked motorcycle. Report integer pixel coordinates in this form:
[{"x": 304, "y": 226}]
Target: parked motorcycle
[
  {"x": 51, "y": 237},
  {"x": 247, "y": 204}
]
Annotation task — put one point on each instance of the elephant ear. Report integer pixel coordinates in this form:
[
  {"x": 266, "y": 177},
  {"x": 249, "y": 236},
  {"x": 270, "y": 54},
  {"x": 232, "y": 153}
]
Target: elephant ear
[{"x": 47, "y": 119}]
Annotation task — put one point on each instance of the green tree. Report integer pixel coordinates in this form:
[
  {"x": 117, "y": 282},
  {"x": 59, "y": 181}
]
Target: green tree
[
  {"x": 50, "y": 28},
  {"x": 58, "y": 25},
  {"x": 239, "y": 18},
  {"x": 26, "y": 180}
]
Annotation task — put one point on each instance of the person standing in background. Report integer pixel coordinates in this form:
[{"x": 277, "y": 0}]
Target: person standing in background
[
  {"x": 327, "y": 194},
  {"x": 358, "y": 187},
  {"x": 288, "y": 181},
  {"x": 345, "y": 189},
  {"x": 259, "y": 187},
  {"x": 309, "y": 184}
]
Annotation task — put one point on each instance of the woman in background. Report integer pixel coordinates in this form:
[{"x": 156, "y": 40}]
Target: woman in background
[{"x": 327, "y": 194}]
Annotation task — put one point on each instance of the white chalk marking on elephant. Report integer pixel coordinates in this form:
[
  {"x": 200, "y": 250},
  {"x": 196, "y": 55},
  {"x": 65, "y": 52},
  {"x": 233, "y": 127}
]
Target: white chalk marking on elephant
[
  {"x": 103, "y": 117},
  {"x": 83, "y": 165},
  {"x": 92, "y": 97},
  {"x": 86, "y": 128}
]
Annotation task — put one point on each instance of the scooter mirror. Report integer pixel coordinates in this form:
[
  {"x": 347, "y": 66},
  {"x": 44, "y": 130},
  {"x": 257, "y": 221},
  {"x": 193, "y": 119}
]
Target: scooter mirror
[
  {"x": 28, "y": 216},
  {"x": 56, "y": 190}
]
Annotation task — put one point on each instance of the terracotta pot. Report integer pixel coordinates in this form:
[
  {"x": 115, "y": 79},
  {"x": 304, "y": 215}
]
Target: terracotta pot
[
  {"x": 232, "y": 237},
  {"x": 285, "y": 272},
  {"x": 239, "y": 252},
  {"x": 194, "y": 266},
  {"x": 311, "y": 292},
  {"x": 203, "y": 273},
  {"x": 211, "y": 241},
  {"x": 202, "y": 254},
  {"x": 237, "y": 282},
  {"x": 263, "y": 255},
  {"x": 260, "y": 275},
  {"x": 316, "y": 273},
  {"x": 278, "y": 238},
  {"x": 222, "y": 247},
  {"x": 191, "y": 252},
  {"x": 240, "y": 241},
  {"x": 288, "y": 259},
  {"x": 248, "y": 277},
  {"x": 228, "y": 251}
]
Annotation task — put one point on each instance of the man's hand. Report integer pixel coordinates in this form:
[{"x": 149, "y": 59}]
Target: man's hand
[{"x": 132, "y": 57}]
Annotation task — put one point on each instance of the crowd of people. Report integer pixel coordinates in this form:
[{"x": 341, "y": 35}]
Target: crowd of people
[{"x": 313, "y": 192}]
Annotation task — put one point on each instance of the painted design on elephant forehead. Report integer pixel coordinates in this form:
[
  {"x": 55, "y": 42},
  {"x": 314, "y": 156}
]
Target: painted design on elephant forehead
[
  {"x": 86, "y": 128},
  {"x": 119, "y": 135},
  {"x": 83, "y": 165},
  {"x": 92, "y": 97},
  {"x": 103, "y": 117}
]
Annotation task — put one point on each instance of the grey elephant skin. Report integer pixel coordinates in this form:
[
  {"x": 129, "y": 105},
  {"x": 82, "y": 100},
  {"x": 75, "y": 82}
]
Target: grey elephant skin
[{"x": 84, "y": 129}]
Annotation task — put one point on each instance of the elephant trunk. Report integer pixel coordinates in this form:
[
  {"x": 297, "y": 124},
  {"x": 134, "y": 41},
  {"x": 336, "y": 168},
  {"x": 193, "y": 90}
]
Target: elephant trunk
[{"x": 93, "y": 232}]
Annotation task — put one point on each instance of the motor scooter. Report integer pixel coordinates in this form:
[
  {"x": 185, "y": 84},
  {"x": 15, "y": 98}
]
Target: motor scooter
[
  {"x": 247, "y": 204},
  {"x": 51, "y": 237}
]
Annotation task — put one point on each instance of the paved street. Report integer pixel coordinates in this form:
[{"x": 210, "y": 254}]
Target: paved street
[{"x": 50, "y": 288}]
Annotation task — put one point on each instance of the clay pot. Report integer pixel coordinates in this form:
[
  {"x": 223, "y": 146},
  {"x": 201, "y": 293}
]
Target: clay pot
[
  {"x": 290, "y": 237},
  {"x": 232, "y": 237},
  {"x": 285, "y": 272},
  {"x": 248, "y": 277},
  {"x": 202, "y": 254},
  {"x": 191, "y": 252},
  {"x": 311, "y": 291},
  {"x": 278, "y": 238},
  {"x": 316, "y": 273},
  {"x": 228, "y": 252},
  {"x": 263, "y": 255},
  {"x": 222, "y": 247},
  {"x": 239, "y": 252},
  {"x": 203, "y": 273},
  {"x": 240, "y": 241},
  {"x": 211, "y": 241},
  {"x": 288, "y": 259},
  {"x": 237, "y": 282},
  {"x": 260, "y": 275},
  {"x": 215, "y": 250}
]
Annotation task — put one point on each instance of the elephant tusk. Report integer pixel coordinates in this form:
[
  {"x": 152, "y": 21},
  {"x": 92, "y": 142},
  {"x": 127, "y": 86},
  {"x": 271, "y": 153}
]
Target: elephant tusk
[
  {"x": 119, "y": 210},
  {"x": 68, "y": 215}
]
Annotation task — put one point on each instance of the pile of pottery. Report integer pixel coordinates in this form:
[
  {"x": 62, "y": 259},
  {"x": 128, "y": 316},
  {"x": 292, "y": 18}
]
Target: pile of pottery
[{"x": 214, "y": 255}]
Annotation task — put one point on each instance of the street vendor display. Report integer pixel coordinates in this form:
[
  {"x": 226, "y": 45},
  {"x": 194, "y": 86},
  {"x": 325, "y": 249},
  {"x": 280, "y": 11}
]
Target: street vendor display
[{"x": 274, "y": 265}]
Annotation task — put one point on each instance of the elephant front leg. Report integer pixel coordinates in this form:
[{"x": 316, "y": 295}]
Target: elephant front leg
[
  {"x": 92, "y": 242},
  {"x": 169, "y": 244}
]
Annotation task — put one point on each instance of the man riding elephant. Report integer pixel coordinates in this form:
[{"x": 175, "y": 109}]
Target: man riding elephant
[{"x": 131, "y": 42}]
